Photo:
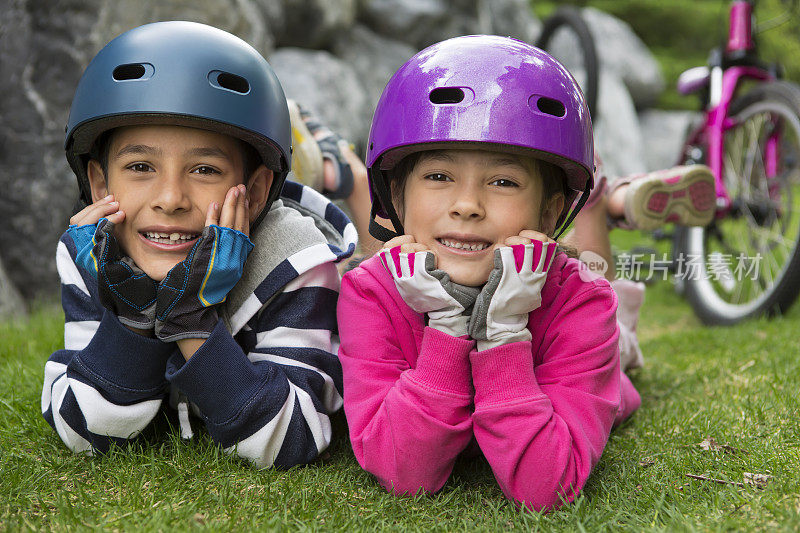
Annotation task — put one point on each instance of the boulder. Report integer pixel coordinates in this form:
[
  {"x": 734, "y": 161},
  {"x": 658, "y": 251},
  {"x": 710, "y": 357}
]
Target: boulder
[
  {"x": 663, "y": 135},
  {"x": 374, "y": 58},
  {"x": 327, "y": 86},
  {"x": 509, "y": 18},
  {"x": 619, "y": 50},
  {"x": 617, "y": 135},
  {"x": 309, "y": 23},
  {"x": 11, "y": 303}
]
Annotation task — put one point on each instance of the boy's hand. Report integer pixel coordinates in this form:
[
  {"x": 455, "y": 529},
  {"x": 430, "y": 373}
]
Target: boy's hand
[
  {"x": 427, "y": 289},
  {"x": 512, "y": 291},
  {"x": 192, "y": 288},
  {"x": 124, "y": 289}
]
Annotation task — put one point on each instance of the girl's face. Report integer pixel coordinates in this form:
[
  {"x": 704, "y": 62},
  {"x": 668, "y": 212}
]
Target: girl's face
[{"x": 463, "y": 204}]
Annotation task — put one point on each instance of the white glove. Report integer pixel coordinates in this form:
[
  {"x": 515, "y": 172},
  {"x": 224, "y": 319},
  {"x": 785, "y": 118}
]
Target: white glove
[
  {"x": 513, "y": 290},
  {"x": 429, "y": 290}
]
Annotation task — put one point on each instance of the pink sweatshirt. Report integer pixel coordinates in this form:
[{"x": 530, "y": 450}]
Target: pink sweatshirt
[{"x": 541, "y": 411}]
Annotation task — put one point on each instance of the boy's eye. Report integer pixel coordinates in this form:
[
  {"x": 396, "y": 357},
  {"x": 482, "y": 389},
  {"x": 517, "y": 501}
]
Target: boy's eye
[
  {"x": 140, "y": 167},
  {"x": 437, "y": 176},
  {"x": 502, "y": 182},
  {"x": 203, "y": 169}
]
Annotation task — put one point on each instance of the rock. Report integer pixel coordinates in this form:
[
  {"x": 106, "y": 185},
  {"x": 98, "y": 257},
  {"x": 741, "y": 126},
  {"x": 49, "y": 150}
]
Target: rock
[
  {"x": 509, "y": 18},
  {"x": 328, "y": 87},
  {"x": 374, "y": 58},
  {"x": 242, "y": 18},
  {"x": 312, "y": 23},
  {"x": 663, "y": 135},
  {"x": 11, "y": 303},
  {"x": 617, "y": 135},
  {"x": 416, "y": 22},
  {"x": 41, "y": 50},
  {"x": 619, "y": 50}
]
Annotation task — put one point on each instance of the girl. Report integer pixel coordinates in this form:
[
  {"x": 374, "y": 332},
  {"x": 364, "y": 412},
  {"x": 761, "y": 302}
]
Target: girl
[{"x": 471, "y": 323}]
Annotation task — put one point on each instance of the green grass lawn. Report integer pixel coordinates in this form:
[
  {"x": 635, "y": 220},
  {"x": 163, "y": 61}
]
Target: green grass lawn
[{"x": 737, "y": 386}]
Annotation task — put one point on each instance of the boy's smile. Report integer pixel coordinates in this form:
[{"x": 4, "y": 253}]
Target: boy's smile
[
  {"x": 463, "y": 204},
  {"x": 165, "y": 178}
]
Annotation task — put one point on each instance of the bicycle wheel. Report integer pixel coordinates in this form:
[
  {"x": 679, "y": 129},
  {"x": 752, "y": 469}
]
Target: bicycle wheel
[
  {"x": 747, "y": 262},
  {"x": 569, "y": 18}
]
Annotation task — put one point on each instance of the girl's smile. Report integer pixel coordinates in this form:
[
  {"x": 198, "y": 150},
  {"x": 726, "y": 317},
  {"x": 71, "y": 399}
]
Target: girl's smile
[{"x": 463, "y": 204}]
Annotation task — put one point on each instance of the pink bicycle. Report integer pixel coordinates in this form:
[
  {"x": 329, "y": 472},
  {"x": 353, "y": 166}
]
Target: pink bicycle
[{"x": 747, "y": 261}]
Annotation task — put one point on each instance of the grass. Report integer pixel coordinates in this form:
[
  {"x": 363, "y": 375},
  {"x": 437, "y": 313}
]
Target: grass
[{"x": 737, "y": 386}]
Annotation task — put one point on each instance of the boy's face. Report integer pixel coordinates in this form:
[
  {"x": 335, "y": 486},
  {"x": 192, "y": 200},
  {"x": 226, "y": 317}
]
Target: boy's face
[
  {"x": 165, "y": 178},
  {"x": 462, "y": 204}
]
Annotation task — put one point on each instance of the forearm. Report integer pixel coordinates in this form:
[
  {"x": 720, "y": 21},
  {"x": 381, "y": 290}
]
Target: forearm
[
  {"x": 106, "y": 392},
  {"x": 407, "y": 427},
  {"x": 541, "y": 439}
]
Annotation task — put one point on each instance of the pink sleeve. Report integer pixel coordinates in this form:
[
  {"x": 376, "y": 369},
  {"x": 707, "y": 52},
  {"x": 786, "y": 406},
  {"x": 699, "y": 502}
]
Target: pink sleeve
[
  {"x": 407, "y": 425},
  {"x": 543, "y": 427}
]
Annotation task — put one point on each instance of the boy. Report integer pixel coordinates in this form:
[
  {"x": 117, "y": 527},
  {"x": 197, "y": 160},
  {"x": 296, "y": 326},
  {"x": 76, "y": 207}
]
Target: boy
[{"x": 179, "y": 136}]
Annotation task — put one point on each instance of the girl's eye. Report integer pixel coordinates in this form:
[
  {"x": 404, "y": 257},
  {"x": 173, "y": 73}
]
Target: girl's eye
[
  {"x": 502, "y": 182},
  {"x": 140, "y": 167},
  {"x": 205, "y": 170},
  {"x": 436, "y": 176}
]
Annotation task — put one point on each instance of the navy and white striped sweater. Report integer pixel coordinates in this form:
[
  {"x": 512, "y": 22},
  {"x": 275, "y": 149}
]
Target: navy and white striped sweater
[{"x": 264, "y": 382}]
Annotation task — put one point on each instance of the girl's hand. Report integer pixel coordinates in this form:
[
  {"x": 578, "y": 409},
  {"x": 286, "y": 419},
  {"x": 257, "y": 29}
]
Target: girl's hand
[
  {"x": 408, "y": 245},
  {"x": 104, "y": 208},
  {"x": 235, "y": 211},
  {"x": 513, "y": 290},
  {"x": 425, "y": 288}
]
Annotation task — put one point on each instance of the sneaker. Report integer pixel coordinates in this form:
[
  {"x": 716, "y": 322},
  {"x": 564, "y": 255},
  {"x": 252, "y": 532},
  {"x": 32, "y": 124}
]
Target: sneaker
[
  {"x": 684, "y": 195},
  {"x": 306, "y": 155},
  {"x": 316, "y": 143}
]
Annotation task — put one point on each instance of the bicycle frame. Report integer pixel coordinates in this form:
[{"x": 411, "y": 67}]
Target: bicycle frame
[{"x": 723, "y": 84}]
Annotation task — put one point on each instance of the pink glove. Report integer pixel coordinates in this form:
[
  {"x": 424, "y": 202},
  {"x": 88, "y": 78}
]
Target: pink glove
[
  {"x": 429, "y": 290},
  {"x": 512, "y": 291}
]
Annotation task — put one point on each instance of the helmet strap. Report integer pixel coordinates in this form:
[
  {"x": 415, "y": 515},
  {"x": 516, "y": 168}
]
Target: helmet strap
[
  {"x": 581, "y": 202},
  {"x": 381, "y": 190}
]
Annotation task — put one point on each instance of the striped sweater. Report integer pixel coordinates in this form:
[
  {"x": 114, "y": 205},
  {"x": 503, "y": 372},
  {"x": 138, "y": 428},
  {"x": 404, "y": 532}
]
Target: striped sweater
[{"x": 264, "y": 382}]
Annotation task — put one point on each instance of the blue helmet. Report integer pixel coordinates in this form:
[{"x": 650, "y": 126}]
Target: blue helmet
[{"x": 185, "y": 74}]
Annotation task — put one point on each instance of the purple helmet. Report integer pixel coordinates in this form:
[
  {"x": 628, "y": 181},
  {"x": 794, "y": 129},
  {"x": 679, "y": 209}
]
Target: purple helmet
[{"x": 481, "y": 89}]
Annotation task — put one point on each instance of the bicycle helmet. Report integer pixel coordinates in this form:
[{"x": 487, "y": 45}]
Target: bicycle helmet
[
  {"x": 481, "y": 92},
  {"x": 184, "y": 74}
]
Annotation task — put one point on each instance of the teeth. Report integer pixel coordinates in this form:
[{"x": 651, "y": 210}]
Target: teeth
[
  {"x": 168, "y": 238},
  {"x": 475, "y": 247}
]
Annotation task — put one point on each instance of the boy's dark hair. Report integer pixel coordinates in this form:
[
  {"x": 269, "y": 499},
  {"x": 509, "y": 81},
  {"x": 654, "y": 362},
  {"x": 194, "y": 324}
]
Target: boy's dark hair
[{"x": 250, "y": 157}]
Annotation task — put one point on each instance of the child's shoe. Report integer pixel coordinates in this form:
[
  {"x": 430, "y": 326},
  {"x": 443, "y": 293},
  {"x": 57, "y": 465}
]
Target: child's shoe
[
  {"x": 306, "y": 155},
  {"x": 313, "y": 144},
  {"x": 630, "y": 296},
  {"x": 685, "y": 195}
]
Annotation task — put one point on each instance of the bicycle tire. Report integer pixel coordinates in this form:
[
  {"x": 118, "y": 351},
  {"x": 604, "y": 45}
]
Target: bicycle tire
[
  {"x": 570, "y": 17},
  {"x": 709, "y": 298}
]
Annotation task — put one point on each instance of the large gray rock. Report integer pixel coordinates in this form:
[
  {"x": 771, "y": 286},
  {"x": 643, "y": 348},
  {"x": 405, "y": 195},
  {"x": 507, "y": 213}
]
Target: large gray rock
[
  {"x": 243, "y": 18},
  {"x": 663, "y": 134},
  {"x": 374, "y": 58},
  {"x": 11, "y": 303},
  {"x": 310, "y": 23},
  {"x": 619, "y": 50},
  {"x": 617, "y": 135},
  {"x": 421, "y": 22},
  {"x": 509, "y": 18},
  {"x": 328, "y": 87},
  {"x": 41, "y": 57}
]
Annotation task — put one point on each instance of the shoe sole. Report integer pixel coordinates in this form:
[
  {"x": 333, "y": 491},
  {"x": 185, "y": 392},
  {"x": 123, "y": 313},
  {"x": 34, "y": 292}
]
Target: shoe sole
[
  {"x": 306, "y": 156},
  {"x": 683, "y": 195}
]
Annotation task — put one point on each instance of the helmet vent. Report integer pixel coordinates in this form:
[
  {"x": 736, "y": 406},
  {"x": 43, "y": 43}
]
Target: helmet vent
[
  {"x": 231, "y": 82},
  {"x": 447, "y": 95},
  {"x": 549, "y": 106},
  {"x": 131, "y": 71}
]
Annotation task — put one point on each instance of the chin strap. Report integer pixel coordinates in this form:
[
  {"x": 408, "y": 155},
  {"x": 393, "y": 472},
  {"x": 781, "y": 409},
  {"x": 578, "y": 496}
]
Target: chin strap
[
  {"x": 581, "y": 201},
  {"x": 381, "y": 190}
]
